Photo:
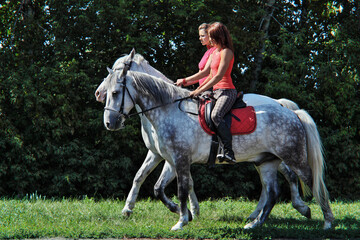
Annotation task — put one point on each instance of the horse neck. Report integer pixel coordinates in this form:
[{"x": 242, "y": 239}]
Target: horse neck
[
  {"x": 153, "y": 118},
  {"x": 147, "y": 68},
  {"x": 154, "y": 108}
]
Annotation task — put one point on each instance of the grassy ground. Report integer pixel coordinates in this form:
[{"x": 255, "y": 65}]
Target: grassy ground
[{"x": 222, "y": 219}]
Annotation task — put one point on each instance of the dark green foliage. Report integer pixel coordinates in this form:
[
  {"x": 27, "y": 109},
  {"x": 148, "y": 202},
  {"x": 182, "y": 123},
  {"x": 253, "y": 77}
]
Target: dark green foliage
[{"x": 53, "y": 55}]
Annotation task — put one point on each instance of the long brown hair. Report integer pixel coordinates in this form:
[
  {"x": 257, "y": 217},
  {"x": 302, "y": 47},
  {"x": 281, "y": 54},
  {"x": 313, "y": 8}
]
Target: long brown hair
[{"x": 219, "y": 33}]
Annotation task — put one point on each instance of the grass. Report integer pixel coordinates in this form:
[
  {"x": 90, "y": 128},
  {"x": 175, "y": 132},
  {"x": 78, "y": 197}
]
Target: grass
[{"x": 223, "y": 219}]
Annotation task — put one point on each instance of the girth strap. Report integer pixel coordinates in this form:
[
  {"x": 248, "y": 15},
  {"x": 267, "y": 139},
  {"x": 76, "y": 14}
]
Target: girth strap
[{"x": 213, "y": 151}]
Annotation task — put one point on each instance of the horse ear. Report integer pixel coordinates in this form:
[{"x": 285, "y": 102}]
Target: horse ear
[
  {"x": 132, "y": 53},
  {"x": 110, "y": 70}
]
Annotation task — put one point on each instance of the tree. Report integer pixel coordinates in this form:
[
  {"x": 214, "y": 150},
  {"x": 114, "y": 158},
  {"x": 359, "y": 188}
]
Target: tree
[
  {"x": 264, "y": 28},
  {"x": 53, "y": 55},
  {"x": 315, "y": 65}
]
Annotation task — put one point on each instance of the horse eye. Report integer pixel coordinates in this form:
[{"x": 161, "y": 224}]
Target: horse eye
[{"x": 115, "y": 92}]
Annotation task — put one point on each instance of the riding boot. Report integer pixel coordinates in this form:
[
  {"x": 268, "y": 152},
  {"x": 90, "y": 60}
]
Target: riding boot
[{"x": 223, "y": 131}]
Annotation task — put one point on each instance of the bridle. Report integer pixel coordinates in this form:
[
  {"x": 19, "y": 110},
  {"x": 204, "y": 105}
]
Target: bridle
[
  {"x": 124, "y": 88},
  {"x": 122, "y": 106}
]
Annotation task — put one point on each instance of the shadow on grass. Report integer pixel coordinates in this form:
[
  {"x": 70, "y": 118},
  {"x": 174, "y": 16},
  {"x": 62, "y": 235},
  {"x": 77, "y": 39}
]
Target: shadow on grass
[{"x": 290, "y": 228}]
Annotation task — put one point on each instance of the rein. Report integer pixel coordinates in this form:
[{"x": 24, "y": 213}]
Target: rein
[{"x": 150, "y": 109}]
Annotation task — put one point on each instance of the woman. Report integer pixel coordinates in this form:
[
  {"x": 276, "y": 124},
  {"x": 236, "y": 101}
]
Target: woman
[
  {"x": 201, "y": 76},
  {"x": 221, "y": 63}
]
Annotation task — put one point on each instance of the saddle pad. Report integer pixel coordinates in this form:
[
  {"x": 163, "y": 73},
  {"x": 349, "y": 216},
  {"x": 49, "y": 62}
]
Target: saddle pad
[{"x": 246, "y": 125}]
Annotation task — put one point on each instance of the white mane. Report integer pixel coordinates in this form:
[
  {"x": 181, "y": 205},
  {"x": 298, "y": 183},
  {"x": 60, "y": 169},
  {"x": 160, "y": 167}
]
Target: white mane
[{"x": 143, "y": 66}]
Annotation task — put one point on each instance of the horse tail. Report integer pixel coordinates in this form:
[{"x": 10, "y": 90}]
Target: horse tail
[
  {"x": 288, "y": 104},
  {"x": 315, "y": 155},
  {"x": 293, "y": 106}
]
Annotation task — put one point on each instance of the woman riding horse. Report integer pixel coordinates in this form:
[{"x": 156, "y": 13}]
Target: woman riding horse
[{"x": 222, "y": 60}]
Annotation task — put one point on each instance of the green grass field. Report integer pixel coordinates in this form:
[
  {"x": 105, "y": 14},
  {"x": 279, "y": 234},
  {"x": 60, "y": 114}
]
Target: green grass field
[{"x": 37, "y": 217}]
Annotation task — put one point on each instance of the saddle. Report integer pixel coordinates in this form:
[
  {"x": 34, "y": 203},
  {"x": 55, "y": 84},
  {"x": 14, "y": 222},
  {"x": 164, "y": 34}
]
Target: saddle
[{"x": 241, "y": 119}]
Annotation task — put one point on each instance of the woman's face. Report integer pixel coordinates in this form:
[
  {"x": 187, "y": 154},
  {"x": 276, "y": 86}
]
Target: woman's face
[{"x": 203, "y": 37}]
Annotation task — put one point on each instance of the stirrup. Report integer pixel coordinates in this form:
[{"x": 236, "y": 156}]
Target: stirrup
[
  {"x": 221, "y": 157},
  {"x": 230, "y": 159},
  {"x": 226, "y": 157}
]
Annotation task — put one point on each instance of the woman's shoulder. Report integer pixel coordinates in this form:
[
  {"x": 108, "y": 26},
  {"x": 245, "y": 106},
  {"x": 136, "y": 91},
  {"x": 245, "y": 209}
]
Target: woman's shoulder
[{"x": 227, "y": 52}]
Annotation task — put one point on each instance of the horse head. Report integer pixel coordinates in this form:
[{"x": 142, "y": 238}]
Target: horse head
[
  {"x": 100, "y": 93},
  {"x": 118, "y": 91},
  {"x": 122, "y": 82}
]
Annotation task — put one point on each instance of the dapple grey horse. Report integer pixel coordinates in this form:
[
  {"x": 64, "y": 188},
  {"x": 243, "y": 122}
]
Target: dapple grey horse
[
  {"x": 280, "y": 135},
  {"x": 152, "y": 159}
]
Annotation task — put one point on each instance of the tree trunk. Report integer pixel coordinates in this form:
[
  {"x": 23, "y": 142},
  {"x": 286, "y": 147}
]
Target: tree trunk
[
  {"x": 264, "y": 28},
  {"x": 27, "y": 10},
  {"x": 304, "y": 13}
]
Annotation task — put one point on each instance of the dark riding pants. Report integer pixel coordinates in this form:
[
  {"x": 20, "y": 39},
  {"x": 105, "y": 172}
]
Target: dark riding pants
[{"x": 225, "y": 99}]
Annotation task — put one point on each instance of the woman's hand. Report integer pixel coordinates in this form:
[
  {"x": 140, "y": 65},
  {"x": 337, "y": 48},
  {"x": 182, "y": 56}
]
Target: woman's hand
[
  {"x": 194, "y": 93},
  {"x": 180, "y": 82}
]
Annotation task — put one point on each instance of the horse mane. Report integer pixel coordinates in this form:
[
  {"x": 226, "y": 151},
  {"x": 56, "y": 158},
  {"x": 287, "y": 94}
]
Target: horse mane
[
  {"x": 143, "y": 63},
  {"x": 151, "y": 82},
  {"x": 162, "y": 92},
  {"x": 119, "y": 63}
]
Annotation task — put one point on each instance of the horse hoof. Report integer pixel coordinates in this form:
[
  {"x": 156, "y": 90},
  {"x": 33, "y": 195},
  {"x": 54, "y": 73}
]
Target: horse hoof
[
  {"x": 251, "y": 225},
  {"x": 303, "y": 210},
  {"x": 308, "y": 213},
  {"x": 126, "y": 212},
  {"x": 177, "y": 227}
]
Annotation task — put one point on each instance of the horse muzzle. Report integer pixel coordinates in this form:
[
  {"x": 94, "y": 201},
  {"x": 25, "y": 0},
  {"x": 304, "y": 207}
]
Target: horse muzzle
[{"x": 114, "y": 121}]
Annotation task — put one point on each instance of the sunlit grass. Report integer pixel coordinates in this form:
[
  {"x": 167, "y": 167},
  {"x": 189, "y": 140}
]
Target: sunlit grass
[{"x": 222, "y": 219}]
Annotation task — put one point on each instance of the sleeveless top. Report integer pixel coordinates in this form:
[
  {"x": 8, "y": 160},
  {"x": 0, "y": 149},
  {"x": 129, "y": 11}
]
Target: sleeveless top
[
  {"x": 204, "y": 60},
  {"x": 226, "y": 81}
]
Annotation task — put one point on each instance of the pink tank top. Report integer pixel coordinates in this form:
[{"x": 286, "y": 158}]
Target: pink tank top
[
  {"x": 204, "y": 60},
  {"x": 226, "y": 81}
]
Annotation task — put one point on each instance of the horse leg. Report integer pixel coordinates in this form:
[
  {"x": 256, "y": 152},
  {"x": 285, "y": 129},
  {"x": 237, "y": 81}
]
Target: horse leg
[
  {"x": 151, "y": 161},
  {"x": 296, "y": 200},
  {"x": 166, "y": 176},
  {"x": 194, "y": 203},
  {"x": 327, "y": 212},
  {"x": 268, "y": 176},
  {"x": 305, "y": 175},
  {"x": 183, "y": 178},
  {"x": 262, "y": 199}
]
